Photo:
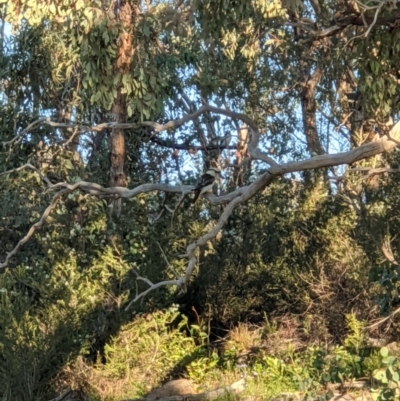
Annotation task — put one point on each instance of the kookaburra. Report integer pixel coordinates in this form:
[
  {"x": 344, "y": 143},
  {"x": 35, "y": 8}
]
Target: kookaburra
[{"x": 205, "y": 183}]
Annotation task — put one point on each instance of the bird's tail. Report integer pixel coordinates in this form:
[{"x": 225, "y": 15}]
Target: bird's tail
[{"x": 196, "y": 195}]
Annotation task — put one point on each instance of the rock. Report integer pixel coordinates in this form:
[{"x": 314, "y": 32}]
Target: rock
[{"x": 173, "y": 387}]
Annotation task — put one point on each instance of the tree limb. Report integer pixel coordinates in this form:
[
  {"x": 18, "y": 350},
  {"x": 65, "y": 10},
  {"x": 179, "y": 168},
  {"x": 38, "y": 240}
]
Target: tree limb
[
  {"x": 342, "y": 23},
  {"x": 173, "y": 124},
  {"x": 37, "y": 225},
  {"x": 29, "y": 128},
  {"x": 234, "y": 198},
  {"x": 186, "y": 146},
  {"x": 28, "y": 165}
]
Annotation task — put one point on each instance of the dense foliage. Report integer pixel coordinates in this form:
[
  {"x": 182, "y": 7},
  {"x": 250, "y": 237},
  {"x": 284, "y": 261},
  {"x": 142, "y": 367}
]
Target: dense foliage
[{"x": 87, "y": 89}]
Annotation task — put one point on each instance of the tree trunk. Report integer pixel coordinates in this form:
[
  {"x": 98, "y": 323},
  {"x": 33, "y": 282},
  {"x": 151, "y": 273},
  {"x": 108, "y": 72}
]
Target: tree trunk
[
  {"x": 124, "y": 13},
  {"x": 308, "y": 105},
  {"x": 118, "y": 150}
]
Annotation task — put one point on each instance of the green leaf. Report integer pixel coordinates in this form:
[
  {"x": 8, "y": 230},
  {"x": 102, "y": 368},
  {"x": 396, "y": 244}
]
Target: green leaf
[
  {"x": 117, "y": 78},
  {"x": 395, "y": 376},
  {"x": 384, "y": 352},
  {"x": 129, "y": 111},
  {"x": 146, "y": 113},
  {"x": 380, "y": 375},
  {"x": 106, "y": 37},
  {"x": 68, "y": 165},
  {"x": 146, "y": 30},
  {"x": 389, "y": 360},
  {"x": 79, "y": 4}
]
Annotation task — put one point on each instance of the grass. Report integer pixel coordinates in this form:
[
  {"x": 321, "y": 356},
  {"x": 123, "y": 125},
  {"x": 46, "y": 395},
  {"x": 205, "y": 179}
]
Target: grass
[{"x": 271, "y": 358}]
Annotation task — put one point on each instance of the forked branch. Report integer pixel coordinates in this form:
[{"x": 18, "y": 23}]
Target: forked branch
[{"x": 232, "y": 199}]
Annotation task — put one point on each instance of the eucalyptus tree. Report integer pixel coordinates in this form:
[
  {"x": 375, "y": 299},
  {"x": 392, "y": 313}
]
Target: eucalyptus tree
[
  {"x": 285, "y": 77},
  {"x": 108, "y": 101}
]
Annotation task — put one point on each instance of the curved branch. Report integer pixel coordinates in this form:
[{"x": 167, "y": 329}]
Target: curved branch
[
  {"x": 26, "y": 130},
  {"x": 121, "y": 192},
  {"x": 256, "y": 153},
  {"x": 152, "y": 288},
  {"x": 37, "y": 225},
  {"x": 342, "y": 23},
  {"x": 248, "y": 192},
  {"x": 382, "y": 145},
  {"x": 240, "y": 195},
  {"x": 186, "y": 146},
  {"x": 28, "y": 165},
  {"x": 150, "y": 124}
]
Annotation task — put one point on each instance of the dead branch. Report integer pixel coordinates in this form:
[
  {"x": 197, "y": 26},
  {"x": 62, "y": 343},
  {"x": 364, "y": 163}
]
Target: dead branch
[
  {"x": 386, "y": 249},
  {"x": 375, "y": 171},
  {"x": 369, "y": 27},
  {"x": 344, "y": 22},
  {"x": 28, "y": 165},
  {"x": 250, "y": 191},
  {"x": 383, "y": 320},
  {"x": 156, "y": 127},
  {"x": 37, "y": 225},
  {"x": 29, "y": 128},
  {"x": 186, "y": 146},
  {"x": 178, "y": 283},
  {"x": 233, "y": 199}
]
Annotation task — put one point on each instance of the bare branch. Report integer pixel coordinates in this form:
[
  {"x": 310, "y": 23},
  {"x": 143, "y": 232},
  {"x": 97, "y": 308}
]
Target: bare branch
[
  {"x": 382, "y": 145},
  {"x": 28, "y": 165},
  {"x": 166, "y": 260},
  {"x": 250, "y": 191},
  {"x": 386, "y": 249},
  {"x": 30, "y": 127},
  {"x": 375, "y": 171},
  {"x": 150, "y": 124},
  {"x": 234, "y": 198},
  {"x": 364, "y": 151},
  {"x": 154, "y": 287},
  {"x": 37, "y": 225},
  {"x": 256, "y": 153},
  {"x": 122, "y": 192},
  {"x": 342, "y": 23},
  {"x": 383, "y": 320},
  {"x": 371, "y": 25},
  {"x": 187, "y": 146}
]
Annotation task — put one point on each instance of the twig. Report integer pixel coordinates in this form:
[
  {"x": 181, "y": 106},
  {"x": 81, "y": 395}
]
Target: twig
[
  {"x": 366, "y": 33},
  {"x": 178, "y": 283},
  {"x": 378, "y": 170},
  {"x": 166, "y": 260},
  {"x": 30, "y": 127},
  {"x": 28, "y": 165},
  {"x": 383, "y": 320},
  {"x": 176, "y": 207},
  {"x": 37, "y": 225}
]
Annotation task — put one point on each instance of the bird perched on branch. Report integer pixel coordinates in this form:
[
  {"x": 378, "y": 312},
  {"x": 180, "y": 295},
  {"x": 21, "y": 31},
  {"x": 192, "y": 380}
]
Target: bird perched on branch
[{"x": 206, "y": 182}]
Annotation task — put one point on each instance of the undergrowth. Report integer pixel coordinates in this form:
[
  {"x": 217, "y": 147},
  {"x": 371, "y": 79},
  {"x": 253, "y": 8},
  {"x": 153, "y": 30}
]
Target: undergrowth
[{"x": 155, "y": 348}]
